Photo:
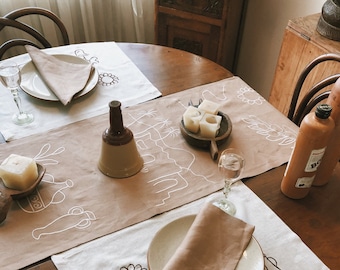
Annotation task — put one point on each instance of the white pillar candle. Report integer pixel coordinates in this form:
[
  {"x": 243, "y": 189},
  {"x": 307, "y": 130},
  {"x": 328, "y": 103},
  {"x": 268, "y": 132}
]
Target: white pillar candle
[
  {"x": 210, "y": 125},
  {"x": 18, "y": 172},
  {"x": 209, "y": 107},
  {"x": 191, "y": 119}
]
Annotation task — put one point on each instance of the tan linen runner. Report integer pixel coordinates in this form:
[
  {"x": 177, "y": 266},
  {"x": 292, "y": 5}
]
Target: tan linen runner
[{"x": 76, "y": 203}]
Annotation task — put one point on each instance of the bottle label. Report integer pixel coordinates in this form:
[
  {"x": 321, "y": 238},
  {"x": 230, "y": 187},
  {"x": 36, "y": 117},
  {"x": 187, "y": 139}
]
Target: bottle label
[
  {"x": 314, "y": 160},
  {"x": 304, "y": 182}
]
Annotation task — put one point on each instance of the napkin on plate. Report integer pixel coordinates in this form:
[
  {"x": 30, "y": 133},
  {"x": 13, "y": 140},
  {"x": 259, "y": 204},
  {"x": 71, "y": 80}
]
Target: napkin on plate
[
  {"x": 215, "y": 240},
  {"x": 63, "y": 78}
]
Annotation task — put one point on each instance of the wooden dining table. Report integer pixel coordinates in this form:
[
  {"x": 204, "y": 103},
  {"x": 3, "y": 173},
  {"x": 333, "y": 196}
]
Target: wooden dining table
[{"x": 315, "y": 219}]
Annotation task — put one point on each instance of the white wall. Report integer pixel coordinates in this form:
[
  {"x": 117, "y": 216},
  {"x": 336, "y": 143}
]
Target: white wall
[{"x": 265, "y": 23}]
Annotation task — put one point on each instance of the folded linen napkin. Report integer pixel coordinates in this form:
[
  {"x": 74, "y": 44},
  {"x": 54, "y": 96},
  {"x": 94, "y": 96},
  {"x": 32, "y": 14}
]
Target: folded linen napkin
[
  {"x": 215, "y": 240},
  {"x": 63, "y": 78}
]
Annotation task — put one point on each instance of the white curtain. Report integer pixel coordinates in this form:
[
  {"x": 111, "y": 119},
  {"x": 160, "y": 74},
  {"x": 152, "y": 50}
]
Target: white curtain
[{"x": 90, "y": 20}]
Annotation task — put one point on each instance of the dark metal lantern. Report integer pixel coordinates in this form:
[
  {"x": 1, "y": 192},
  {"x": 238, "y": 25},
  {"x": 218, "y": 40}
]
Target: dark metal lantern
[{"x": 329, "y": 21}]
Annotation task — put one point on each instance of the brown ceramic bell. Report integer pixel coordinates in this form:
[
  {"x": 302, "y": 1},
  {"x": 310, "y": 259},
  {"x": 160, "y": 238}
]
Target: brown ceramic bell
[{"x": 119, "y": 155}]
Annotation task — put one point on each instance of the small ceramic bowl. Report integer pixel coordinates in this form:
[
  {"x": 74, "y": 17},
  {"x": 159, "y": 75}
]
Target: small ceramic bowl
[
  {"x": 196, "y": 140},
  {"x": 7, "y": 195}
]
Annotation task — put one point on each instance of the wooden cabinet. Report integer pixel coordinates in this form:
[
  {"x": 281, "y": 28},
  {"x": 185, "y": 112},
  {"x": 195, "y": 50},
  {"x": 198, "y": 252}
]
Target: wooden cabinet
[
  {"x": 301, "y": 44},
  {"x": 209, "y": 28}
]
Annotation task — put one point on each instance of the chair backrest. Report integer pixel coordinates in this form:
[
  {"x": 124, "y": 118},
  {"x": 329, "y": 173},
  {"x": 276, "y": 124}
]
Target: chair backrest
[
  {"x": 10, "y": 20},
  {"x": 316, "y": 94}
]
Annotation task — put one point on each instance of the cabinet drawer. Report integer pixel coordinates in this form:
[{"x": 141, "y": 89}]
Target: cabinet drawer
[
  {"x": 207, "y": 8},
  {"x": 192, "y": 36}
]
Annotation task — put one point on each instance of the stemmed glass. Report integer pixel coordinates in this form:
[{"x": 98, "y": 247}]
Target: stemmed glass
[
  {"x": 230, "y": 165},
  {"x": 10, "y": 77}
]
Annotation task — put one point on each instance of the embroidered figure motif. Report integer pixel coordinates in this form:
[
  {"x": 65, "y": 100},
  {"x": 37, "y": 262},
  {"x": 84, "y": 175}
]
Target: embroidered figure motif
[
  {"x": 76, "y": 217},
  {"x": 275, "y": 133},
  {"x": 133, "y": 267},
  {"x": 107, "y": 79},
  {"x": 250, "y": 96},
  {"x": 51, "y": 192},
  {"x": 36, "y": 201},
  {"x": 45, "y": 158},
  {"x": 91, "y": 59},
  {"x": 159, "y": 135}
]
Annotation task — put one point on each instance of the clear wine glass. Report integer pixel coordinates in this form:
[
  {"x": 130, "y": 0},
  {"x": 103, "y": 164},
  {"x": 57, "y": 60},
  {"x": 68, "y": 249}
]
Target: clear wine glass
[
  {"x": 10, "y": 77},
  {"x": 230, "y": 166}
]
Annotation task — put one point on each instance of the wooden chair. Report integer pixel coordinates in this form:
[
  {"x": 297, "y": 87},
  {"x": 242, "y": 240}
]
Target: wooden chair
[
  {"x": 316, "y": 94},
  {"x": 10, "y": 20}
]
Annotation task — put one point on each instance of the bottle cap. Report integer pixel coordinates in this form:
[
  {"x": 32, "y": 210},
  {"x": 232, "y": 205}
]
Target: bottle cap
[{"x": 323, "y": 111}]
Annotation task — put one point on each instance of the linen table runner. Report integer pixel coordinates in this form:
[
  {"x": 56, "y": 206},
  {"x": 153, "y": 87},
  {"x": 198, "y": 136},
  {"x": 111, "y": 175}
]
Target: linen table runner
[
  {"x": 75, "y": 203},
  {"x": 118, "y": 78},
  {"x": 127, "y": 248}
]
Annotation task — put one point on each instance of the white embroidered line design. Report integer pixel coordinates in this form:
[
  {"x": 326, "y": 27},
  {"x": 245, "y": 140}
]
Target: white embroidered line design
[
  {"x": 272, "y": 132},
  {"x": 156, "y": 134},
  {"x": 250, "y": 96},
  {"x": 76, "y": 217}
]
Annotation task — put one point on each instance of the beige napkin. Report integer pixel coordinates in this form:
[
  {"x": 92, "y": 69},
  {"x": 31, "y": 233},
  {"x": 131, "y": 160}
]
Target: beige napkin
[
  {"x": 63, "y": 78},
  {"x": 215, "y": 240}
]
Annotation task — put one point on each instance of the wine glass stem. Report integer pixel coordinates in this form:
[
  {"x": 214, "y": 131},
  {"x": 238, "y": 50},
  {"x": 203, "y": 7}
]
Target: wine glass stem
[
  {"x": 17, "y": 100},
  {"x": 227, "y": 187}
]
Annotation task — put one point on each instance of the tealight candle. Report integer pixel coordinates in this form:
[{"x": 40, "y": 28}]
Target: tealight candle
[
  {"x": 191, "y": 119},
  {"x": 18, "y": 172},
  {"x": 209, "y": 125}
]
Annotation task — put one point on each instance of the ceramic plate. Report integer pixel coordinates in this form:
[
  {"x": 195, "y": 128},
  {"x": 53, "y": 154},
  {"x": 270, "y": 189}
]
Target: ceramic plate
[
  {"x": 33, "y": 84},
  {"x": 167, "y": 239}
]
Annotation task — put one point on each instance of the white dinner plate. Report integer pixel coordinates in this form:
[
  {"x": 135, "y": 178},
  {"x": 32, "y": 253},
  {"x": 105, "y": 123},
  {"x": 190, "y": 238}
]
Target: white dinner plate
[
  {"x": 167, "y": 240},
  {"x": 34, "y": 85}
]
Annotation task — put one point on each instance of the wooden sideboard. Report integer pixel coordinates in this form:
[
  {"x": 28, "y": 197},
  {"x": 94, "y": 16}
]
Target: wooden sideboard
[
  {"x": 301, "y": 44},
  {"x": 207, "y": 28}
]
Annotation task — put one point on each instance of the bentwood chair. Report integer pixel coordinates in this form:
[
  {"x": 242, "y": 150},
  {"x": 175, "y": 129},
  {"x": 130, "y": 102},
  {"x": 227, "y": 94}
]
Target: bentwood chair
[
  {"x": 316, "y": 94},
  {"x": 38, "y": 40}
]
